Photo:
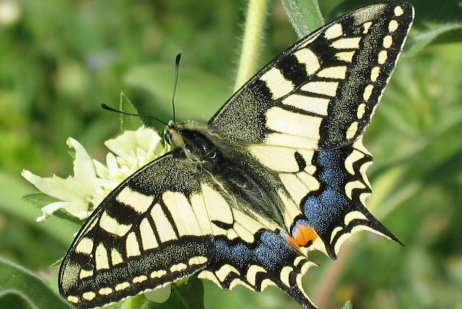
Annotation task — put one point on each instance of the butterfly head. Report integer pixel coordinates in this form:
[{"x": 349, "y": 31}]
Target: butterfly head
[
  {"x": 192, "y": 137},
  {"x": 172, "y": 135}
]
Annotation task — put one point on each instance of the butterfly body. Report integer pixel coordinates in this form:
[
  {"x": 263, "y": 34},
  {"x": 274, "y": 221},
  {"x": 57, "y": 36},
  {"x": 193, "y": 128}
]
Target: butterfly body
[{"x": 278, "y": 171}]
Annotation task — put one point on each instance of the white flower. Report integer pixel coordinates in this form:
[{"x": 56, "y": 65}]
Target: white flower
[
  {"x": 79, "y": 194},
  {"x": 130, "y": 151}
]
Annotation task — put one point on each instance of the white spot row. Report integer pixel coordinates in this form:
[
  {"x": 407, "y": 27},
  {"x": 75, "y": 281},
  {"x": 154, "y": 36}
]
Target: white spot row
[
  {"x": 90, "y": 295},
  {"x": 375, "y": 71}
]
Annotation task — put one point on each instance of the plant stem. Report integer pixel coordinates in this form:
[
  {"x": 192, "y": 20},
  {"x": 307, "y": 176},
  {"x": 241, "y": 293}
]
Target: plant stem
[
  {"x": 253, "y": 31},
  {"x": 331, "y": 276}
]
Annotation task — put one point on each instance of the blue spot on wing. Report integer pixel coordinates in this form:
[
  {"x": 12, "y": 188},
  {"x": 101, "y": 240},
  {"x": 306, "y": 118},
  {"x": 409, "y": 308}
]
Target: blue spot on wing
[
  {"x": 273, "y": 251},
  {"x": 326, "y": 208},
  {"x": 270, "y": 250},
  {"x": 332, "y": 171},
  {"x": 237, "y": 254},
  {"x": 328, "y": 205}
]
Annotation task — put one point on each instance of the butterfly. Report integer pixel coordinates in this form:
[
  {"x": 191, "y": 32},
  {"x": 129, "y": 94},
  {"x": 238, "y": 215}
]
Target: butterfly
[{"x": 278, "y": 171}]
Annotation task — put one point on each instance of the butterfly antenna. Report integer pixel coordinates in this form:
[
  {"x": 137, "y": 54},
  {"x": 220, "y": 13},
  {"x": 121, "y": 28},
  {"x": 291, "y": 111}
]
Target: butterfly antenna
[
  {"x": 177, "y": 67},
  {"x": 111, "y": 109}
]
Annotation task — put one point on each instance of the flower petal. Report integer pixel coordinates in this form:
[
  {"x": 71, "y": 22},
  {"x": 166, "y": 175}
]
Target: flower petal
[
  {"x": 126, "y": 144},
  {"x": 49, "y": 209},
  {"x": 84, "y": 169}
]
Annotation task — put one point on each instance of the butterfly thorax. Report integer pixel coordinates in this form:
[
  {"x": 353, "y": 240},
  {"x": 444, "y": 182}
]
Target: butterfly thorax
[{"x": 230, "y": 165}]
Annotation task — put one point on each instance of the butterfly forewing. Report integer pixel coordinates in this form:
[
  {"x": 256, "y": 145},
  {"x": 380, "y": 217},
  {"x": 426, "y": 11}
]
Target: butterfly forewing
[
  {"x": 150, "y": 231},
  {"x": 321, "y": 92}
]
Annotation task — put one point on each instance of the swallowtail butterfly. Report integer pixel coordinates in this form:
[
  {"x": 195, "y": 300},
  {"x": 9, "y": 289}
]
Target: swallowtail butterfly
[{"x": 278, "y": 171}]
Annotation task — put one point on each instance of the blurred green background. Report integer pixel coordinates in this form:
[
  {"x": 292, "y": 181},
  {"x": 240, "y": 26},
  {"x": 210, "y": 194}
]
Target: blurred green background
[{"x": 59, "y": 60}]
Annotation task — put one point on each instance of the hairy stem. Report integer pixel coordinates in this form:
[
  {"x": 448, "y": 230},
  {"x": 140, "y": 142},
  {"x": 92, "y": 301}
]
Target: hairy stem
[{"x": 253, "y": 31}]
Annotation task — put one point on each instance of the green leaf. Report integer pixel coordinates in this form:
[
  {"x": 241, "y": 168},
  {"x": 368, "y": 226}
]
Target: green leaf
[
  {"x": 434, "y": 35},
  {"x": 12, "y": 299},
  {"x": 188, "y": 294},
  {"x": 160, "y": 295},
  {"x": 198, "y": 94},
  {"x": 40, "y": 200},
  {"x": 137, "y": 301},
  {"x": 20, "y": 287},
  {"x": 128, "y": 122},
  {"x": 305, "y": 16}
]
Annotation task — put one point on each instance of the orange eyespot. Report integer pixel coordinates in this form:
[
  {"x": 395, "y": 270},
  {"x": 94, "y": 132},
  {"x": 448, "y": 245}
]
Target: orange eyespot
[{"x": 303, "y": 236}]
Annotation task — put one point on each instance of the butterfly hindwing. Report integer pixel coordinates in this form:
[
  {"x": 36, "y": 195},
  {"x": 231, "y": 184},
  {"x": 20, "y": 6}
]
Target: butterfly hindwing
[
  {"x": 322, "y": 91},
  {"x": 151, "y": 230},
  {"x": 329, "y": 189}
]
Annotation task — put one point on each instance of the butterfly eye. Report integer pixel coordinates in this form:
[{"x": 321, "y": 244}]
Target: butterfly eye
[{"x": 168, "y": 137}]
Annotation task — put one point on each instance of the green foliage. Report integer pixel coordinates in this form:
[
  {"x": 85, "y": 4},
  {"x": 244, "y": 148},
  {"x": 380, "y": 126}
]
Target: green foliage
[
  {"x": 59, "y": 60},
  {"x": 157, "y": 80},
  {"x": 128, "y": 122},
  {"x": 20, "y": 288},
  {"x": 185, "y": 295}
]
